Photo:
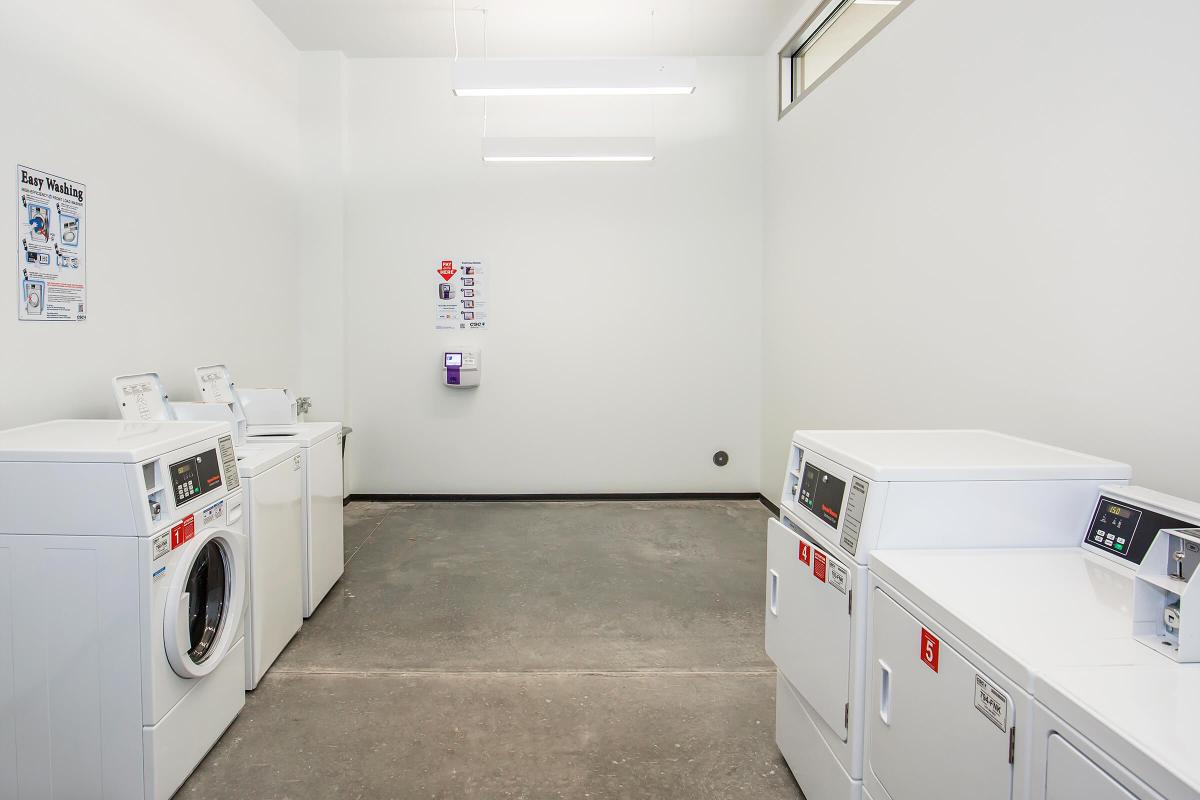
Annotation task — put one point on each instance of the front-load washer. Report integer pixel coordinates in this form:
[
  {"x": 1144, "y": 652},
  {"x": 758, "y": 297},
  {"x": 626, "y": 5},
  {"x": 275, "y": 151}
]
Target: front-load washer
[
  {"x": 272, "y": 480},
  {"x": 273, "y": 420},
  {"x": 849, "y": 493},
  {"x": 1117, "y": 733},
  {"x": 273, "y": 483},
  {"x": 123, "y": 572},
  {"x": 958, "y": 640}
]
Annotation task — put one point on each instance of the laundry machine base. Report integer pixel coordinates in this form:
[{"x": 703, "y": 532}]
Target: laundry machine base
[
  {"x": 178, "y": 743},
  {"x": 815, "y": 767}
]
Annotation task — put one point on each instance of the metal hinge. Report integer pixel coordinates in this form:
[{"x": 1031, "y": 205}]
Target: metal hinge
[
  {"x": 847, "y": 723},
  {"x": 1012, "y": 744}
]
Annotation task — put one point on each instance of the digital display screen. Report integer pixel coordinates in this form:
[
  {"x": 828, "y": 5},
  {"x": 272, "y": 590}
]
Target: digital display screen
[
  {"x": 195, "y": 476},
  {"x": 822, "y": 493},
  {"x": 1120, "y": 511},
  {"x": 453, "y": 359}
]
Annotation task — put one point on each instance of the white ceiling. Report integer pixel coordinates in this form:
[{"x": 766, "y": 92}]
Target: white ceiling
[{"x": 531, "y": 28}]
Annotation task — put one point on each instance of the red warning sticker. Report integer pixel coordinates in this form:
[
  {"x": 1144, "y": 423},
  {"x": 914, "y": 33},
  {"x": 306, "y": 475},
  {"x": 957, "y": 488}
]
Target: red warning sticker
[
  {"x": 805, "y": 552},
  {"x": 819, "y": 566},
  {"x": 929, "y": 649},
  {"x": 184, "y": 532}
]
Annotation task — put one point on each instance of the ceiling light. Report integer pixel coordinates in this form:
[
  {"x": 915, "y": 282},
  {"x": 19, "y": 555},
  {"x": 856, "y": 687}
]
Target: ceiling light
[
  {"x": 877, "y": 2},
  {"x": 546, "y": 150},
  {"x": 514, "y": 77}
]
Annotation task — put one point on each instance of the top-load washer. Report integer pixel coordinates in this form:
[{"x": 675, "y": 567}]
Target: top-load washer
[
  {"x": 958, "y": 640},
  {"x": 271, "y": 417},
  {"x": 274, "y": 490},
  {"x": 273, "y": 485},
  {"x": 848, "y": 493},
  {"x": 122, "y": 578},
  {"x": 1117, "y": 733}
]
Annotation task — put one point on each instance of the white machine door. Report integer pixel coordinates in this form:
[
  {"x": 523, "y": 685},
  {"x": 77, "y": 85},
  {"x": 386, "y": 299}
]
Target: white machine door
[
  {"x": 205, "y": 602},
  {"x": 1070, "y": 775},
  {"x": 933, "y": 730},
  {"x": 809, "y": 622}
]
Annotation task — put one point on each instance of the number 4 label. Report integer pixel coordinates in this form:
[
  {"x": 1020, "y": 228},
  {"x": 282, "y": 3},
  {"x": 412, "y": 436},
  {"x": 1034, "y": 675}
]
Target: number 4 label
[
  {"x": 805, "y": 554},
  {"x": 929, "y": 649}
]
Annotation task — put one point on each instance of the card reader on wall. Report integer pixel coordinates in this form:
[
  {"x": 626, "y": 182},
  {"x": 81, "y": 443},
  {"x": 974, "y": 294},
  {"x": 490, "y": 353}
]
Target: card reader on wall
[{"x": 461, "y": 369}]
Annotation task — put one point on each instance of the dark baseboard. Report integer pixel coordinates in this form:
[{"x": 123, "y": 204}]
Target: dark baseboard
[
  {"x": 549, "y": 498},
  {"x": 774, "y": 509}
]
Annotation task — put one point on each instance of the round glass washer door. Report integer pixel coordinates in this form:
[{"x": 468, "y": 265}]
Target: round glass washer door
[{"x": 205, "y": 602}]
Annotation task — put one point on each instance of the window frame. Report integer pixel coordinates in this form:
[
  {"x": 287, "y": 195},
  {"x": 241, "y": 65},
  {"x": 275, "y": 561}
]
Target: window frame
[{"x": 791, "y": 63}]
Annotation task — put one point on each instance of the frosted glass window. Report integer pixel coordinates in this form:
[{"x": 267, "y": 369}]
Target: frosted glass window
[{"x": 827, "y": 39}]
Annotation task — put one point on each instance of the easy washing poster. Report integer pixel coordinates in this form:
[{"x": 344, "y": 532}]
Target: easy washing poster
[
  {"x": 461, "y": 299},
  {"x": 51, "y": 271}
]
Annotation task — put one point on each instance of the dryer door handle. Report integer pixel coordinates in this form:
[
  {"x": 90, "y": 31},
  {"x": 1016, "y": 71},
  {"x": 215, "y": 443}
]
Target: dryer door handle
[{"x": 885, "y": 693}]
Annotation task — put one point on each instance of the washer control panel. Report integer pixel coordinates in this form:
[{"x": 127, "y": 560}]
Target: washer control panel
[
  {"x": 195, "y": 476},
  {"x": 1125, "y": 529}
]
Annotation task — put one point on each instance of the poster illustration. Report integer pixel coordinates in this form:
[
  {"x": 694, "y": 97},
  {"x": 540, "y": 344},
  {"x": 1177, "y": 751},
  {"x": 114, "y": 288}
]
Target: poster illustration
[
  {"x": 51, "y": 231},
  {"x": 461, "y": 297}
]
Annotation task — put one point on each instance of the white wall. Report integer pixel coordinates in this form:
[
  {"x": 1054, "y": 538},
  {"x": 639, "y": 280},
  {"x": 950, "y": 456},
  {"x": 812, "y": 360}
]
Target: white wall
[
  {"x": 988, "y": 217},
  {"x": 322, "y": 236},
  {"x": 181, "y": 120},
  {"x": 625, "y": 305}
]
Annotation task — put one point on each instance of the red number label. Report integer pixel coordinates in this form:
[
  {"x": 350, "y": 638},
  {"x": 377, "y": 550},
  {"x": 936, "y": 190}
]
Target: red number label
[
  {"x": 929, "y": 649},
  {"x": 184, "y": 532},
  {"x": 805, "y": 552}
]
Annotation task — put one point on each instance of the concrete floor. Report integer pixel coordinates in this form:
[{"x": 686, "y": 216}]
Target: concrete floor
[{"x": 523, "y": 650}]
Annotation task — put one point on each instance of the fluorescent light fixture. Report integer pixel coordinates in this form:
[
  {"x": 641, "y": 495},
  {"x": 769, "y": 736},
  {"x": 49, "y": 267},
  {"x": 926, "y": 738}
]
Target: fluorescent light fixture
[
  {"x": 516, "y": 77},
  {"x": 546, "y": 150},
  {"x": 877, "y": 2}
]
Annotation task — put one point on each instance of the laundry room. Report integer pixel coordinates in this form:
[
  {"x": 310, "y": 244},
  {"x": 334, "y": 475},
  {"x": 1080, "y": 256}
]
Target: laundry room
[{"x": 631, "y": 399}]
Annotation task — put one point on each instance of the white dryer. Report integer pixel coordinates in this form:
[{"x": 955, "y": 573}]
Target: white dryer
[
  {"x": 123, "y": 578},
  {"x": 273, "y": 420},
  {"x": 958, "y": 640},
  {"x": 1117, "y": 733},
  {"x": 848, "y": 493}
]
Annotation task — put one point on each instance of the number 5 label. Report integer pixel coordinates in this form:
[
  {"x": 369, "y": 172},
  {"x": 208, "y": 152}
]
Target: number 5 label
[{"x": 929, "y": 649}]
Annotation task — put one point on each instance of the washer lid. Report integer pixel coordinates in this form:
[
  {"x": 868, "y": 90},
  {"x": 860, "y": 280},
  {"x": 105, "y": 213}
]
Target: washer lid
[
  {"x": 949, "y": 455},
  {"x": 256, "y": 457},
  {"x": 305, "y": 434},
  {"x": 102, "y": 440}
]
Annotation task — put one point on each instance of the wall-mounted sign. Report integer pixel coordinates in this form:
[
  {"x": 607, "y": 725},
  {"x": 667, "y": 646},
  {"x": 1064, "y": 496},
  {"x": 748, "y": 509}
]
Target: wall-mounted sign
[
  {"x": 461, "y": 297},
  {"x": 51, "y": 234}
]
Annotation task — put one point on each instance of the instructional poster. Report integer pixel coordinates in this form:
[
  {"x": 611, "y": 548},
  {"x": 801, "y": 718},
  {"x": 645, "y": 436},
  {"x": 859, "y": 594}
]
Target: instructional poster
[
  {"x": 51, "y": 273},
  {"x": 461, "y": 299}
]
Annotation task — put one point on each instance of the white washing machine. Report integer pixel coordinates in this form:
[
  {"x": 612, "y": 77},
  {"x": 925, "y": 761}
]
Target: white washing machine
[
  {"x": 848, "y": 493},
  {"x": 274, "y": 490},
  {"x": 123, "y": 577},
  {"x": 273, "y": 484},
  {"x": 958, "y": 639},
  {"x": 320, "y": 443},
  {"x": 1117, "y": 733}
]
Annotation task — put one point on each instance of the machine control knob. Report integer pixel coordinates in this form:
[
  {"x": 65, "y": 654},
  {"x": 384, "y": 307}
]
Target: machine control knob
[{"x": 155, "y": 508}]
